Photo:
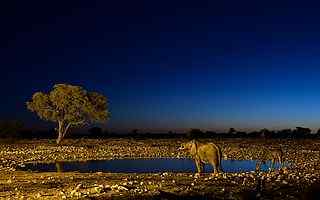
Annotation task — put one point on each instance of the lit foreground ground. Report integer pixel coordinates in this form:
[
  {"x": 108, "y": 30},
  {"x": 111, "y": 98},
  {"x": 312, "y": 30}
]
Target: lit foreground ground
[{"x": 301, "y": 181}]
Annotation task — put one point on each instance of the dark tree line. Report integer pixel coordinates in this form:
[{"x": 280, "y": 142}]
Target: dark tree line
[
  {"x": 10, "y": 128},
  {"x": 15, "y": 130},
  {"x": 298, "y": 132}
]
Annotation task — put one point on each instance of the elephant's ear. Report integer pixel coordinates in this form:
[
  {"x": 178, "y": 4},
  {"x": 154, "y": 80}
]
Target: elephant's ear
[{"x": 193, "y": 149}]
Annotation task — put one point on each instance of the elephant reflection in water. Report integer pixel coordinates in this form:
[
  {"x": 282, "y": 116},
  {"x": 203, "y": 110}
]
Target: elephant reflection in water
[{"x": 59, "y": 165}]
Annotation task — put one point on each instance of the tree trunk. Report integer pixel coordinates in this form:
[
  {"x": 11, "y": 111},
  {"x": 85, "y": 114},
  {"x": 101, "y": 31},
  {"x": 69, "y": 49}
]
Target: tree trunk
[
  {"x": 59, "y": 138},
  {"x": 60, "y": 132}
]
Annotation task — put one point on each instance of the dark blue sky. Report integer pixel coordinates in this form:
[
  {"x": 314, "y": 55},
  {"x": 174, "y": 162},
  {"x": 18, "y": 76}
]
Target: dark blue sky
[{"x": 168, "y": 65}]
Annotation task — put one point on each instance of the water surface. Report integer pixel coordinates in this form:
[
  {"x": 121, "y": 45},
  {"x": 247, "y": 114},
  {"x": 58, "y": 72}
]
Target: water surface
[{"x": 141, "y": 166}]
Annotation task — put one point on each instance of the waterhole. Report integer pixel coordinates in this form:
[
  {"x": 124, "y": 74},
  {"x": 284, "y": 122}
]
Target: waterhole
[{"x": 142, "y": 166}]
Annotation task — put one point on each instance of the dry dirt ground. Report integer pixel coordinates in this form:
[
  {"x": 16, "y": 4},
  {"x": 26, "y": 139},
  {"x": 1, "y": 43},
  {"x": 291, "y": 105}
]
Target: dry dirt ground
[{"x": 299, "y": 181}]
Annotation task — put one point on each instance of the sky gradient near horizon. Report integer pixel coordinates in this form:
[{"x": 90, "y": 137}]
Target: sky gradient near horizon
[{"x": 168, "y": 65}]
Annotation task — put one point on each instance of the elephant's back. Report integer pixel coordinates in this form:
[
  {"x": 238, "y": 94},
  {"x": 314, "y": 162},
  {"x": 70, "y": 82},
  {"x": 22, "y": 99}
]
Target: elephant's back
[
  {"x": 207, "y": 151},
  {"x": 207, "y": 147},
  {"x": 216, "y": 147}
]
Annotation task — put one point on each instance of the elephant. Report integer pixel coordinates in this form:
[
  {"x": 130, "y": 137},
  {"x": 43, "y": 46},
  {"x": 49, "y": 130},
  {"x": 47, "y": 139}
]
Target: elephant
[{"x": 204, "y": 153}]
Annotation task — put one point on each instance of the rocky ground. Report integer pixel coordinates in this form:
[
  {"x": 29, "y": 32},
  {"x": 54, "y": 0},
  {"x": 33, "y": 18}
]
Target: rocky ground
[{"x": 300, "y": 181}]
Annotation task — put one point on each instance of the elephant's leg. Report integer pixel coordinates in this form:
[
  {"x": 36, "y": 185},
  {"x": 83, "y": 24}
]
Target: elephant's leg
[
  {"x": 215, "y": 166},
  {"x": 280, "y": 161},
  {"x": 198, "y": 165},
  {"x": 272, "y": 164},
  {"x": 201, "y": 166},
  {"x": 220, "y": 166},
  {"x": 258, "y": 166}
]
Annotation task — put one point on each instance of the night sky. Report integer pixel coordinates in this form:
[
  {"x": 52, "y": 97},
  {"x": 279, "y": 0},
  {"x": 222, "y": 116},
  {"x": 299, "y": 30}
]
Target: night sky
[{"x": 168, "y": 65}]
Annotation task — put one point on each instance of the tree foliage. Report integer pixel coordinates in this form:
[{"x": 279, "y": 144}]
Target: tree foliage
[{"x": 69, "y": 106}]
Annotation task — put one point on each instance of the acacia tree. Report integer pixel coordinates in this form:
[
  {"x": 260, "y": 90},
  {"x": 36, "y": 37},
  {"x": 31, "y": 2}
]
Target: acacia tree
[{"x": 69, "y": 106}]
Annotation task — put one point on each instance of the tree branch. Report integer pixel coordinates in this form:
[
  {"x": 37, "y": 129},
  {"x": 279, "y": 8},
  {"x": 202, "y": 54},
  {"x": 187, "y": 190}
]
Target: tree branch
[
  {"x": 49, "y": 109},
  {"x": 66, "y": 129},
  {"x": 77, "y": 123}
]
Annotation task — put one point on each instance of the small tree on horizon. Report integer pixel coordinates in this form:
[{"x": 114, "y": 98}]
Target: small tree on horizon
[
  {"x": 232, "y": 131},
  {"x": 69, "y": 106},
  {"x": 195, "y": 133}
]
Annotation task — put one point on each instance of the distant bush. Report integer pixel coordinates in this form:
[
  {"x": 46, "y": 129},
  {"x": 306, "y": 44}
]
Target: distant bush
[
  {"x": 51, "y": 141},
  {"x": 195, "y": 133},
  {"x": 10, "y": 129},
  {"x": 96, "y": 131}
]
